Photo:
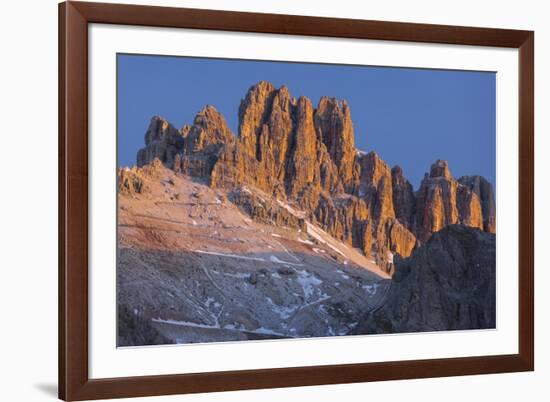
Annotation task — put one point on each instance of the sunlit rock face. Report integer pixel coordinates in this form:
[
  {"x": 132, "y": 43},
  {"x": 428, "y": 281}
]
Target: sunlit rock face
[
  {"x": 442, "y": 200},
  {"x": 162, "y": 141},
  {"x": 484, "y": 191},
  {"x": 306, "y": 156}
]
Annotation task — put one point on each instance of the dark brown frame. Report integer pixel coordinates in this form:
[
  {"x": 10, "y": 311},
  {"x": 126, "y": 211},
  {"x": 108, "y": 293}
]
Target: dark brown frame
[{"x": 74, "y": 17}]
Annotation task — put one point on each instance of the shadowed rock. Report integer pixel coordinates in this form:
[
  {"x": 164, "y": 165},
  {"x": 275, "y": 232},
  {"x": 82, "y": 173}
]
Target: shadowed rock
[
  {"x": 447, "y": 284},
  {"x": 403, "y": 197}
]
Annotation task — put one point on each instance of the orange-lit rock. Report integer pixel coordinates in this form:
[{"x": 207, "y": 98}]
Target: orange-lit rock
[{"x": 306, "y": 159}]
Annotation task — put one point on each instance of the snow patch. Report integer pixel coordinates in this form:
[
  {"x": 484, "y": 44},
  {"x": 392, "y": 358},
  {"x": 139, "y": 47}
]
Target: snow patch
[
  {"x": 184, "y": 323},
  {"x": 274, "y": 258},
  {"x": 318, "y": 234},
  {"x": 235, "y": 326},
  {"x": 308, "y": 282},
  {"x": 339, "y": 247},
  {"x": 242, "y": 257},
  {"x": 267, "y": 331},
  {"x": 336, "y": 249},
  {"x": 371, "y": 288},
  {"x": 282, "y": 311},
  {"x": 299, "y": 214}
]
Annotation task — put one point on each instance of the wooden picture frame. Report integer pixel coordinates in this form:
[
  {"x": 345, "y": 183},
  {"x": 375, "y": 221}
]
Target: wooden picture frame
[{"x": 74, "y": 381}]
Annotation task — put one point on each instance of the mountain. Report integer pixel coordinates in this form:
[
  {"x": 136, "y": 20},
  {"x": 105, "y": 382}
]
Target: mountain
[
  {"x": 288, "y": 230},
  {"x": 306, "y": 157}
]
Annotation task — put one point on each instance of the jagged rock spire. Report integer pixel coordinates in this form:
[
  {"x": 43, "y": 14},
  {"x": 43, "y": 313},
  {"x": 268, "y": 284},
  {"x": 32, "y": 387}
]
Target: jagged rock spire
[
  {"x": 442, "y": 201},
  {"x": 307, "y": 156}
]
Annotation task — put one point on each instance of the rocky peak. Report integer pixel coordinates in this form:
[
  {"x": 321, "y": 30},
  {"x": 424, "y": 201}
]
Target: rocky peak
[
  {"x": 283, "y": 99},
  {"x": 436, "y": 201},
  {"x": 335, "y": 129},
  {"x": 259, "y": 91},
  {"x": 303, "y": 165},
  {"x": 184, "y": 131},
  {"x": 442, "y": 201},
  {"x": 373, "y": 168},
  {"x": 266, "y": 129},
  {"x": 208, "y": 116},
  {"x": 484, "y": 191},
  {"x": 190, "y": 149},
  {"x": 160, "y": 130},
  {"x": 253, "y": 111},
  {"x": 307, "y": 157},
  {"x": 440, "y": 169},
  {"x": 209, "y": 129},
  {"x": 162, "y": 141}
]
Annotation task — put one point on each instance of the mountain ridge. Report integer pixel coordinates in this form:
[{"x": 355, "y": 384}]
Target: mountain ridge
[{"x": 306, "y": 157}]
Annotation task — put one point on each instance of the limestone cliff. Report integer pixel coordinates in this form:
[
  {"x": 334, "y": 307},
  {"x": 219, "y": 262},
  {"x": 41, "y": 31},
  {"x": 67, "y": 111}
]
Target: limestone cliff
[
  {"x": 162, "y": 141},
  {"x": 305, "y": 156},
  {"x": 442, "y": 200},
  {"x": 335, "y": 129},
  {"x": 403, "y": 198},
  {"x": 484, "y": 191}
]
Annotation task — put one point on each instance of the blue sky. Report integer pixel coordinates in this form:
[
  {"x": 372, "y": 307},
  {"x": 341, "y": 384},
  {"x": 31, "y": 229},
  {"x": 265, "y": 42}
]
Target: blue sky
[{"x": 410, "y": 117}]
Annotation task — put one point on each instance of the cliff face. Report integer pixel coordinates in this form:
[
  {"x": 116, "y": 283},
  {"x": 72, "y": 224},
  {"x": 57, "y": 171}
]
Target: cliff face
[
  {"x": 335, "y": 131},
  {"x": 162, "y": 141},
  {"x": 306, "y": 157},
  {"x": 484, "y": 191},
  {"x": 447, "y": 284},
  {"x": 443, "y": 201},
  {"x": 404, "y": 201}
]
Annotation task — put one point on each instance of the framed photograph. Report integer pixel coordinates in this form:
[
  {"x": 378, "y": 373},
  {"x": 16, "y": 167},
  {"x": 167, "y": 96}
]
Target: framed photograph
[{"x": 259, "y": 200}]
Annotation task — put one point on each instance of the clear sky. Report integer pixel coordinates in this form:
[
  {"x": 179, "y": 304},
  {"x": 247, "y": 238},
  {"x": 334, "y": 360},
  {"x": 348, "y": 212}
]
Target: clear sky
[{"x": 410, "y": 117}]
